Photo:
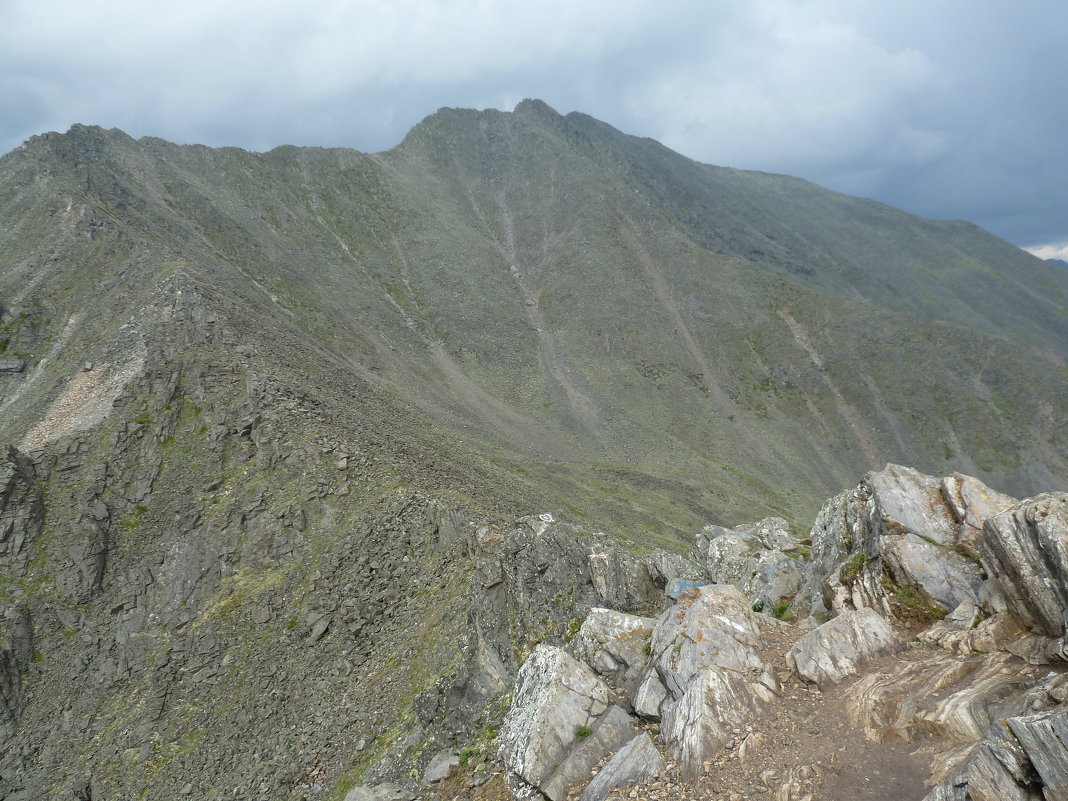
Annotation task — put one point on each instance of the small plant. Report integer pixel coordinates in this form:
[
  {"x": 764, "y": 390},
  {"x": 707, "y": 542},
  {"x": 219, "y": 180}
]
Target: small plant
[
  {"x": 573, "y": 626},
  {"x": 851, "y": 569},
  {"x": 583, "y": 731}
]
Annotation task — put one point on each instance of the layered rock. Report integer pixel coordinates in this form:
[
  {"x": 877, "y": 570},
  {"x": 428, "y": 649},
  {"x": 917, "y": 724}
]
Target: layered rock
[
  {"x": 899, "y": 539},
  {"x": 706, "y": 676},
  {"x": 753, "y": 557},
  {"x": 614, "y": 644},
  {"x": 717, "y": 702},
  {"x": 1026, "y": 549},
  {"x": 840, "y": 647},
  {"x": 561, "y": 724},
  {"x": 635, "y": 761},
  {"x": 1022, "y": 758}
]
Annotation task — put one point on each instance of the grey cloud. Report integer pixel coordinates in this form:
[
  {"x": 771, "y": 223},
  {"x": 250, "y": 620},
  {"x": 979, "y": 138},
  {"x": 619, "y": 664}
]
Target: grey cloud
[{"x": 951, "y": 109}]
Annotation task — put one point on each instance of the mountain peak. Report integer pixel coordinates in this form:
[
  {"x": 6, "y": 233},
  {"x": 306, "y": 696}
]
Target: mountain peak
[{"x": 535, "y": 107}]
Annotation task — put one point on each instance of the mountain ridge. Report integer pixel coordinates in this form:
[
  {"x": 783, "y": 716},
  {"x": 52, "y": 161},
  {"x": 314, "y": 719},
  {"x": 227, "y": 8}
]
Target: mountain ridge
[
  {"x": 310, "y": 448},
  {"x": 390, "y": 190}
]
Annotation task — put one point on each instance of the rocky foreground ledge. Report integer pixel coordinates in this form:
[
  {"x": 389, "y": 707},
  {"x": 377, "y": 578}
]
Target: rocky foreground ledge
[{"x": 912, "y": 647}]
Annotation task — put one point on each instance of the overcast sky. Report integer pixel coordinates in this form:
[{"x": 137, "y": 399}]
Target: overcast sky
[{"x": 953, "y": 109}]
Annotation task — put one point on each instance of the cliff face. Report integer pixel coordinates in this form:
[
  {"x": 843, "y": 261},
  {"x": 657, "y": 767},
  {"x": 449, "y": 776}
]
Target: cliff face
[{"x": 272, "y": 418}]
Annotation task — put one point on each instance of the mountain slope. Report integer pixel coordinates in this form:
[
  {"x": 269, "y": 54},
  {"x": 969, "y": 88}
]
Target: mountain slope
[
  {"x": 271, "y": 411},
  {"x": 559, "y": 290}
]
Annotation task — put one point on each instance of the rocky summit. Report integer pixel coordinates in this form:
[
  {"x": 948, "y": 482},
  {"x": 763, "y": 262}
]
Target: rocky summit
[{"x": 510, "y": 463}]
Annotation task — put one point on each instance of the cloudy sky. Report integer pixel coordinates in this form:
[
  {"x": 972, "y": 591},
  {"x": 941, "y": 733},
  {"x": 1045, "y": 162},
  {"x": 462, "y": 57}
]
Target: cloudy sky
[{"x": 953, "y": 109}]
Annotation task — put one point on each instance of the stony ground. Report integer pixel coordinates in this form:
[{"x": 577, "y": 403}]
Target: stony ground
[{"x": 806, "y": 750}]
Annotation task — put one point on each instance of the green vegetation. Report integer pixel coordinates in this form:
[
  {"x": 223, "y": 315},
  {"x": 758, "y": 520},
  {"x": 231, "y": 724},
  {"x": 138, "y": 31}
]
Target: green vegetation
[{"x": 851, "y": 569}]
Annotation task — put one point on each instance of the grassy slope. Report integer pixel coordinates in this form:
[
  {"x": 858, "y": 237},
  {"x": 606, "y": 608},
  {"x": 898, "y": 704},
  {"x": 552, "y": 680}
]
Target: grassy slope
[{"x": 713, "y": 344}]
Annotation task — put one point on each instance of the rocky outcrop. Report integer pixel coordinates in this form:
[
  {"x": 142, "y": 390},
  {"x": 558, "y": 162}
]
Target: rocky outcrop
[
  {"x": 562, "y": 723},
  {"x": 753, "y": 557},
  {"x": 614, "y": 644},
  {"x": 716, "y": 704},
  {"x": 711, "y": 626},
  {"x": 902, "y": 543},
  {"x": 635, "y": 761},
  {"x": 699, "y": 673},
  {"x": 841, "y": 646},
  {"x": 1022, "y": 758},
  {"x": 1026, "y": 550}
]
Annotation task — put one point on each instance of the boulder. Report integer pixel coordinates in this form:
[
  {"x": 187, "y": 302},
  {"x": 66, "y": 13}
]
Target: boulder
[
  {"x": 635, "y": 761},
  {"x": 650, "y": 696},
  {"x": 731, "y": 557},
  {"x": 1026, "y": 550},
  {"x": 716, "y": 703},
  {"x": 614, "y": 644},
  {"x": 712, "y": 626},
  {"x": 439, "y": 766},
  {"x": 561, "y": 724},
  {"x": 777, "y": 576},
  {"x": 773, "y": 532},
  {"x": 839, "y": 647}
]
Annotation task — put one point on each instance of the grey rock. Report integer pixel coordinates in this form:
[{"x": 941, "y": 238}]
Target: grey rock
[
  {"x": 380, "y": 792},
  {"x": 1044, "y": 736},
  {"x": 917, "y": 529},
  {"x": 777, "y": 576},
  {"x": 712, "y": 626},
  {"x": 650, "y": 696},
  {"x": 1026, "y": 548},
  {"x": 773, "y": 532},
  {"x": 635, "y": 761},
  {"x": 614, "y": 644},
  {"x": 997, "y": 769},
  {"x": 839, "y": 647},
  {"x": 439, "y": 766},
  {"x": 609, "y": 734},
  {"x": 911, "y": 501},
  {"x": 12, "y": 365},
  {"x": 972, "y": 502},
  {"x": 677, "y": 586},
  {"x": 716, "y": 703},
  {"x": 561, "y": 723},
  {"x": 732, "y": 558},
  {"x": 942, "y": 577},
  {"x": 966, "y": 631}
]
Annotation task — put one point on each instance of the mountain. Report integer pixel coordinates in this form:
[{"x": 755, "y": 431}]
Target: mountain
[{"x": 269, "y": 411}]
